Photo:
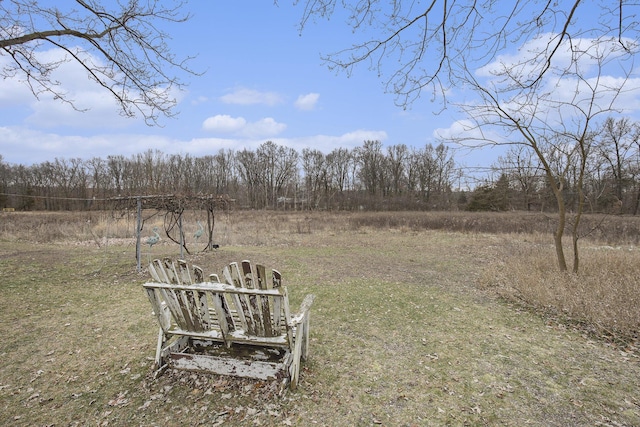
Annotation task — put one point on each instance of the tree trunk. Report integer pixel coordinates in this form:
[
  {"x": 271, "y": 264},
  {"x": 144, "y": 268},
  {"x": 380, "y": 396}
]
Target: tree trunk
[
  {"x": 576, "y": 223},
  {"x": 557, "y": 236}
]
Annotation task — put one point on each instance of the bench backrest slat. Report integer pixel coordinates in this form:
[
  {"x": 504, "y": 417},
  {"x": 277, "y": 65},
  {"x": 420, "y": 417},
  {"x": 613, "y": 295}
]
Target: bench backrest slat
[
  {"x": 156, "y": 302},
  {"x": 172, "y": 303},
  {"x": 153, "y": 272},
  {"x": 156, "y": 268},
  {"x": 203, "y": 310},
  {"x": 276, "y": 278},
  {"x": 178, "y": 272},
  {"x": 266, "y": 304},
  {"x": 252, "y": 301},
  {"x": 183, "y": 309},
  {"x": 193, "y": 307},
  {"x": 234, "y": 277},
  {"x": 249, "y": 280},
  {"x": 170, "y": 270},
  {"x": 208, "y": 306},
  {"x": 287, "y": 314}
]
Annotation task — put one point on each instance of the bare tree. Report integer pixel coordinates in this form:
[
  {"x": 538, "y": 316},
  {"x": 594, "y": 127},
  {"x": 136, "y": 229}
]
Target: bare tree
[
  {"x": 97, "y": 169},
  {"x": 224, "y": 168},
  {"x": 117, "y": 171},
  {"x": 250, "y": 175},
  {"x": 555, "y": 118},
  {"x": 545, "y": 96},
  {"x": 278, "y": 169},
  {"x": 314, "y": 168},
  {"x": 431, "y": 175},
  {"x": 634, "y": 171},
  {"x": 429, "y": 44},
  {"x": 340, "y": 162},
  {"x": 396, "y": 161},
  {"x": 5, "y": 178},
  {"x": 615, "y": 145},
  {"x": 522, "y": 167},
  {"x": 122, "y": 46},
  {"x": 371, "y": 160}
]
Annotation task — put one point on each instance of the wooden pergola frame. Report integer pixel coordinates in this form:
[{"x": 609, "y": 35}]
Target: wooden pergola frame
[{"x": 173, "y": 207}]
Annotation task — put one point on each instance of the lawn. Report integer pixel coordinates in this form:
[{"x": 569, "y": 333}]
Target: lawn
[{"x": 404, "y": 332}]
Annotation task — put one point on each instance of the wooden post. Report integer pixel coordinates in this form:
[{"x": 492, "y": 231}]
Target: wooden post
[
  {"x": 211, "y": 219},
  {"x": 181, "y": 236},
  {"x": 138, "y": 231}
]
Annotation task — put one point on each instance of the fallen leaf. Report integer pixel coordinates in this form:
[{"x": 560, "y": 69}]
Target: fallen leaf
[
  {"x": 120, "y": 400},
  {"x": 145, "y": 405}
]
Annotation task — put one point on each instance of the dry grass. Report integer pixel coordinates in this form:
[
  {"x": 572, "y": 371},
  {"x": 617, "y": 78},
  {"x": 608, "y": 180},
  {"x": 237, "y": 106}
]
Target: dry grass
[
  {"x": 603, "y": 298},
  {"x": 44, "y": 227},
  {"x": 401, "y": 333}
]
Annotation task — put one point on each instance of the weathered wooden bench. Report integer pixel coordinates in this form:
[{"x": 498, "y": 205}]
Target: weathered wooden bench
[{"x": 242, "y": 327}]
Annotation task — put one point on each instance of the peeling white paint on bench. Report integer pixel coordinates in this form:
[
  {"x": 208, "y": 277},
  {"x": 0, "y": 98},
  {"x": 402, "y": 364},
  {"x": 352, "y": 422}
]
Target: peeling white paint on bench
[{"x": 228, "y": 328}]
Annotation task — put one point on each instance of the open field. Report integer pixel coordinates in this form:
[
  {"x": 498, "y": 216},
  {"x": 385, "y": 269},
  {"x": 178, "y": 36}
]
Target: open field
[{"x": 410, "y": 326}]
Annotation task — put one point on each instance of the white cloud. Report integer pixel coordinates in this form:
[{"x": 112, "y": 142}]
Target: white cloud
[
  {"x": 243, "y": 96},
  {"x": 586, "y": 76},
  {"x": 103, "y": 112},
  {"x": 328, "y": 143},
  {"x": 307, "y": 102},
  {"x": 611, "y": 92},
  {"x": 13, "y": 93},
  {"x": 26, "y": 146},
  {"x": 588, "y": 53},
  {"x": 224, "y": 123},
  {"x": 455, "y": 130},
  {"x": 199, "y": 100},
  {"x": 92, "y": 105},
  {"x": 264, "y": 127}
]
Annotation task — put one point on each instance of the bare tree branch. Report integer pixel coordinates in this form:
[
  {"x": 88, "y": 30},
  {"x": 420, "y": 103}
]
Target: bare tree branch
[
  {"x": 415, "y": 45},
  {"x": 124, "y": 50}
]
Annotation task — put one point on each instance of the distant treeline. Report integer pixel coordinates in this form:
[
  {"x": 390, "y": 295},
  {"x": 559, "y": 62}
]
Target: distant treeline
[{"x": 368, "y": 177}]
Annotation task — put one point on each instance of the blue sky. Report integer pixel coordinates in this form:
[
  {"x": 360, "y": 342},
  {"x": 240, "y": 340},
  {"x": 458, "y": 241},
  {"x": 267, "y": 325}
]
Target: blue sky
[{"x": 263, "y": 81}]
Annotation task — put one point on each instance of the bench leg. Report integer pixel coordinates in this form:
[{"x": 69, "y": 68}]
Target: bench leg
[
  {"x": 166, "y": 346},
  {"x": 305, "y": 337},
  {"x": 298, "y": 349},
  {"x": 159, "y": 346}
]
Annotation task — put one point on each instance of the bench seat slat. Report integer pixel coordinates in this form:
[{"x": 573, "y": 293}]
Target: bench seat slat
[
  {"x": 238, "y": 337},
  {"x": 211, "y": 334},
  {"x": 225, "y": 366}
]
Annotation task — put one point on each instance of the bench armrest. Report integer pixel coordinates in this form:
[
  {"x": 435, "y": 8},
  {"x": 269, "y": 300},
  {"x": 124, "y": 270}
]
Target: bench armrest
[
  {"x": 304, "y": 310},
  {"x": 162, "y": 313}
]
